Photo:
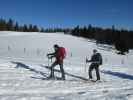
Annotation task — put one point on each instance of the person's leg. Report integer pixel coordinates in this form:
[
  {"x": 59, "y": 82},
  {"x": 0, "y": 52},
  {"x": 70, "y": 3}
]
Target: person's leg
[
  {"x": 62, "y": 71},
  {"x": 97, "y": 72},
  {"x": 52, "y": 69},
  {"x": 90, "y": 71}
]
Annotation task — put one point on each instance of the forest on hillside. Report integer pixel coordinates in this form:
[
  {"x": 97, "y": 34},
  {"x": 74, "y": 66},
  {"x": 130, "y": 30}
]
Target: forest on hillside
[{"x": 122, "y": 39}]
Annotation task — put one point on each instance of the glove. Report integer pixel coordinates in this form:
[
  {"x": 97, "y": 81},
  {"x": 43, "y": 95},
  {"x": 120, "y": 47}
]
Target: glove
[
  {"x": 86, "y": 60},
  {"x": 48, "y": 56}
]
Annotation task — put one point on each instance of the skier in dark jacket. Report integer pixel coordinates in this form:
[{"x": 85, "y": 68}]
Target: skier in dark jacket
[
  {"x": 96, "y": 61},
  {"x": 59, "y": 57}
]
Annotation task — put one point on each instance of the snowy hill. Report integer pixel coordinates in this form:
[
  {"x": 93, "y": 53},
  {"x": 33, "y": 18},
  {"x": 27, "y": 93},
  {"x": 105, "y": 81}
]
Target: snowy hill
[{"x": 23, "y": 65}]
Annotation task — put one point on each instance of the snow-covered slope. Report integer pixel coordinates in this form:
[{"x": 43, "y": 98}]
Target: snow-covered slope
[{"x": 23, "y": 65}]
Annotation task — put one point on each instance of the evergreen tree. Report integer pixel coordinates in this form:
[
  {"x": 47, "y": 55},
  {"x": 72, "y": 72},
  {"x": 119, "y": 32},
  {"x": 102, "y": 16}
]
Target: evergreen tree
[
  {"x": 30, "y": 28},
  {"x": 10, "y": 25},
  {"x": 3, "y": 25},
  {"x": 42, "y": 30},
  {"x": 35, "y": 28},
  {"x": 16, "y": 27},
  {"x": 76, "y": 31},
  {"x": 25, "y": 28}
]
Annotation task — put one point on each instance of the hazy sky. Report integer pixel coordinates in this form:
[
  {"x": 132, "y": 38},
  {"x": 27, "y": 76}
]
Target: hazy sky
[{"x": 69, "y": 13}]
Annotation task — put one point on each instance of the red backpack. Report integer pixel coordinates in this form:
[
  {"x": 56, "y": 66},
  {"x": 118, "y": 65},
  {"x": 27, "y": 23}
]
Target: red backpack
[{"x": 62, "y": 52}]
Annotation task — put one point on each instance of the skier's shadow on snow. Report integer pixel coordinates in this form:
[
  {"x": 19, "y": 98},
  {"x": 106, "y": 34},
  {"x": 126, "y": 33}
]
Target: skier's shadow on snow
[
  {"x": 74, "y": 76},
  {"x": 118, "y": 74},
  {"x": 21, "y": 65}
]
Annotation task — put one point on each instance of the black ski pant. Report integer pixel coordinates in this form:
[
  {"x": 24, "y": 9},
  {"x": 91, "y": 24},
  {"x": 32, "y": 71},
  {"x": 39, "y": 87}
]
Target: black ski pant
[
  {"x": 91, "y": 68},
  {"x": 61, "y": 69}
]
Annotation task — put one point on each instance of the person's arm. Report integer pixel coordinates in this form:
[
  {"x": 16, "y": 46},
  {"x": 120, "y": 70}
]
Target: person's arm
[
  {"x": 88, "y": 60},
  {"x": 51, "y": 55},
  {"x": 96, "y": 62}
]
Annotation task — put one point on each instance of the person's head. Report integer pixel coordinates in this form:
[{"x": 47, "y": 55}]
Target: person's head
[
  {"x": 94, "y": 51},
  {"x": 56, "y": 47}
]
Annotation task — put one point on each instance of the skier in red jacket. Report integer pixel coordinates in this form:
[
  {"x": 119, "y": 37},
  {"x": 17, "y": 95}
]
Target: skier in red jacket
[{"x": 59, "y": 55}]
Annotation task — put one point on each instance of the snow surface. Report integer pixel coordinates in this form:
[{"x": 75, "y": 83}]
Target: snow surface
[{"x": 23, "y": 65}]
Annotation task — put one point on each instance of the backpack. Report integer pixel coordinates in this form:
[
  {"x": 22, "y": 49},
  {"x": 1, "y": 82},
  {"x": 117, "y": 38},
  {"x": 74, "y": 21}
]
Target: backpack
[
  {"x": 100, "y": 58},
  {"x": 62, "y": 52}
]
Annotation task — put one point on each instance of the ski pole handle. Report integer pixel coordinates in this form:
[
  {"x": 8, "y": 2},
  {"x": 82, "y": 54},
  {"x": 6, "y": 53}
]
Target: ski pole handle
[
  {"x": 85, "y": 66},
  {"x": 48, "y": 61},
  {"x": 51, "y": 60}
]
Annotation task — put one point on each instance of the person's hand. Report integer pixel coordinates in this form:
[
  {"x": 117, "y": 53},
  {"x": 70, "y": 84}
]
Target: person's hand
[
  {"x": 50, "y": 57},
  {"x": 86, "y": 60},
  {"x": 47, "y": 55}
]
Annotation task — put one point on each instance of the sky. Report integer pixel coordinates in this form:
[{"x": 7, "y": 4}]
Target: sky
[{"x": 69, "y": 13}]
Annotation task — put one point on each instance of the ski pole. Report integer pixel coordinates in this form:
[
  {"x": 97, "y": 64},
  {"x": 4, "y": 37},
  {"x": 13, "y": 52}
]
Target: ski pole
[
  {"x": 85, "y": 66},
  {"x": 48, "y": 62},
  {"x": 51, "y": 60}
]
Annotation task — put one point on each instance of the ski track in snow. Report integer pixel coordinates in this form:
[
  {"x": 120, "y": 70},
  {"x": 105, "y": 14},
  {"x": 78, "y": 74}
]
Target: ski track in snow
[{"x": 22, "y": 72}]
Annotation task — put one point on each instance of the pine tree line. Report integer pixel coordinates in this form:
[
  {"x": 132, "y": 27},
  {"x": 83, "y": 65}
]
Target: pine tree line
[
  {"x": 121, "y": 39},
  {"x": 11, "y": 25}
]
